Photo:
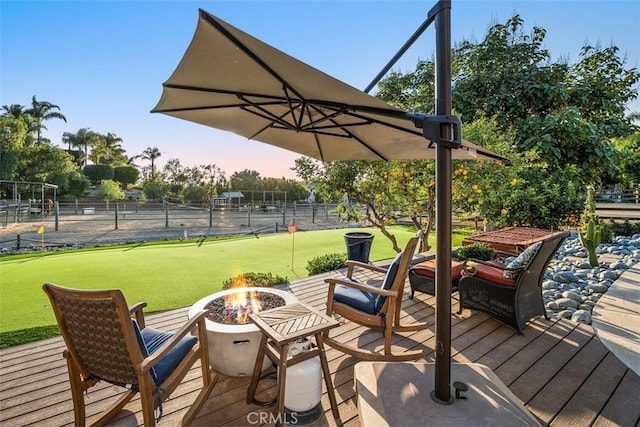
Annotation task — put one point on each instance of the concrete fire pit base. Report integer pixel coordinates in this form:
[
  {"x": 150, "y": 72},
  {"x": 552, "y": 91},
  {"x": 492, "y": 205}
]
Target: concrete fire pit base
[{"x": 233, "y": 348}]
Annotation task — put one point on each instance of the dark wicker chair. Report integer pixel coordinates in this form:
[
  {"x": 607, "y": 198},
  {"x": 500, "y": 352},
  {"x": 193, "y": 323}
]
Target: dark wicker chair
[
  {"x": 105, "y": 344},
  {"x": 512, "y": 300}
]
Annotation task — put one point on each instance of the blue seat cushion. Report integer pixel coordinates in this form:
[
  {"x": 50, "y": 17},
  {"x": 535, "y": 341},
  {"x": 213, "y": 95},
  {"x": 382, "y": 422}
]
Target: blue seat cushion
[
  {"x": 151, "y": 340},
  {"x": 360, "y": 300},
  {"x": 392, "y": 271}
]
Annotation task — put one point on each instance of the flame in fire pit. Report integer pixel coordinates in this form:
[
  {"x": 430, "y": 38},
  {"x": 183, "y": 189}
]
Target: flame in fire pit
[
  {"x": 235, "y": 306},
  {"x": 242, "y": 303}
]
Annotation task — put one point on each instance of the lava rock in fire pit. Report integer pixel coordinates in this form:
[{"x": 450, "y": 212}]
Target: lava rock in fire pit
[{"x": 234, "y": 309}]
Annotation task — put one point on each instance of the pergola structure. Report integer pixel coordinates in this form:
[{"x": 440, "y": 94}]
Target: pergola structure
[{"x": 14, "y": 189}]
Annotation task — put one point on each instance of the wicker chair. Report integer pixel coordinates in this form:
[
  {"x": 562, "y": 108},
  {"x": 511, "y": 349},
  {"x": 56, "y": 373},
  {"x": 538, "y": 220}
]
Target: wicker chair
[
  {"x": 374, "y": 307},
  {"x": 512, "y": 295},
  {"x": 105, "y": 344}
]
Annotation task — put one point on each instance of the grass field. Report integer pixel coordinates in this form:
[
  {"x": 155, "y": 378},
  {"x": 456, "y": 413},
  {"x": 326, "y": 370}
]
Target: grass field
[{"x": 166, "y": 275}]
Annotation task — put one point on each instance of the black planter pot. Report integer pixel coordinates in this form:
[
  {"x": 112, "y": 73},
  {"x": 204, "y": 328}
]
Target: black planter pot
[{"x": 358, "y": 245}]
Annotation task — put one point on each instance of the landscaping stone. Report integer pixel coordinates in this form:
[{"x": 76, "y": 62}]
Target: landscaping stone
[{"x": 572, "y": 287}]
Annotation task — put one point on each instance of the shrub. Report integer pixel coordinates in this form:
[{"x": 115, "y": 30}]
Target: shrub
[
  {"x": 481, "y": 251},
  {"x": 98, "y": 173},
  {"x": 625, "y": 228},
  {"x": 154, "y": 190},
  {"x": 254, "y": 279},
  {"x": 327, "y": 262},
  {"x": 126, "y": 175},
  {"x": 196, "y": 194},
  {"x": 109, "y": 190}
]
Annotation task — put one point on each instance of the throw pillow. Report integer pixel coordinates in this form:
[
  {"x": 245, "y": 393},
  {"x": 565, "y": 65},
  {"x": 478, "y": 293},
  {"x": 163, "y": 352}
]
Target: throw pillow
[{"x": 522, "y": 261}]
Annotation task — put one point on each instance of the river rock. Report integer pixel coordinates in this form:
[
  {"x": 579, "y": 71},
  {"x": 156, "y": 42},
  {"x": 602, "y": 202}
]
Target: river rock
[{"x": 582, "y": 316}]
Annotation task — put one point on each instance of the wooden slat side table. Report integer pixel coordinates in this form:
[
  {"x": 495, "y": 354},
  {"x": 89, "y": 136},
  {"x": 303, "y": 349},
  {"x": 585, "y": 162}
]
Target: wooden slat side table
[
  {"x": 511, "y": 239},
  {"x": 280, "y": 327}
]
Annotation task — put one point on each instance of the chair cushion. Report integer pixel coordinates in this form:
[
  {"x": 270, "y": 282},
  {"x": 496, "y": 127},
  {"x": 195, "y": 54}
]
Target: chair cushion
[
  {"x": 360, "y": 300},
  {"x": 522, "y": 261},
  {"x": 392, "y": 271},
  {"x": 428, "y": 269},
  {"x": 493, "y": 275},
  {"x": 151, "y": 340}
]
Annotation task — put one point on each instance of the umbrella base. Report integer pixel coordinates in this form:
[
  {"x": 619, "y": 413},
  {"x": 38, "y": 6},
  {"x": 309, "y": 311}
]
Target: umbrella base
[{"x": 398, "y": 394}]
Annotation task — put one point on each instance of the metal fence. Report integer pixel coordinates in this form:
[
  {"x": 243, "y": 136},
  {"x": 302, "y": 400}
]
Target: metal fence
[{"x": 149, "y": 215}]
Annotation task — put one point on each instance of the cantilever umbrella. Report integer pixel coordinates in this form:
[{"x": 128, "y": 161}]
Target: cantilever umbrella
[{"x": 232, "y": 81}]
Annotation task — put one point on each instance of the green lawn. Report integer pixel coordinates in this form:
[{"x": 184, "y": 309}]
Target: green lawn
[{"x": 166, "y": 276}]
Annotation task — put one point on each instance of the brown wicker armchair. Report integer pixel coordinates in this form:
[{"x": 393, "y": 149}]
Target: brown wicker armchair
[
  {"x": 512, "y": 295},
  {"x": 105, "y": 344}
]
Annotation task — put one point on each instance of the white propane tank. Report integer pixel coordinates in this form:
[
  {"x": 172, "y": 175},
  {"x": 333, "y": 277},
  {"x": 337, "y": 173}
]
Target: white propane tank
[{"x": 303, "y": 388}]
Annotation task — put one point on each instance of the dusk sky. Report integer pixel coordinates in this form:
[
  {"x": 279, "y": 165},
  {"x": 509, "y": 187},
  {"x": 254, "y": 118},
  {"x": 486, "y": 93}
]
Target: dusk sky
[{"x": 103, "y": 62}]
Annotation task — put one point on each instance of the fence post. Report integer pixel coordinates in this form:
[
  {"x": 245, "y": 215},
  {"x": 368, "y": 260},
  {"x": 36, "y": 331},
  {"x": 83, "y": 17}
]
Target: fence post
[
  {"x": 249, "y": 216},
  {"x": 116, "y": 211},
  {"x": 210, "y": 215},
  {"x": 18, "y": 242},
  {"x": 283, "y": 217},
  {"x": 166, "y": 214},
  {"x": 76, "y": 206},
  {"x": 276, "y": 228},
  {"x": 56, "y": 209},
  {"x": 313, "y": 213}
]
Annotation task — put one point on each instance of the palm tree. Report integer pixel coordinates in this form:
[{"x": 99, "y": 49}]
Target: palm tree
[
  {"x": 41, "y": 111},
  {"x": 110, "y": 148},
  {"x": 151, "y": 154},
  {"x": 84, "y": 138},
  {"x": 14, "y": 110}
]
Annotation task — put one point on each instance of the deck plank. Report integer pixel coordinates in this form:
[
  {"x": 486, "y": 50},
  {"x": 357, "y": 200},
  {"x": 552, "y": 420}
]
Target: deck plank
[{"x": 560, "y": 370}]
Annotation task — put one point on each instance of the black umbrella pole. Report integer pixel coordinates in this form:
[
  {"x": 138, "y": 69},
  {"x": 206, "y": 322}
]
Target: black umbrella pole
[{"x": 442, "y": 394}]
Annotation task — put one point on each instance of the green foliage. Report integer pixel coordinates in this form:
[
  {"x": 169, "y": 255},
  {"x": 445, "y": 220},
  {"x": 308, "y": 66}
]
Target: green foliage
[
  {"x": 39, "y": 161},
  {"x": 387, "y": 190},
  {"x": 97, "y": 173},
  {"x": 523, "y": 194},
  {"x": 565, "y": 114},
  {"x": 624, "y": 228},
  {"x": 327, "y": 262},
  {"x": 254, "y": 279},
  {"x": 481, "y": 251},
  {"x": 77, "y": 183},
  {"x": 154, "y": 190},
  {"x": 126, "y": 175},
  {"x": 196, "y": 194},
  {"x": 109, "y": 190},
  {"x": 69, "y": 183},
  {"x": 13, "y": 135},
  {"x": 564, "y": 136},
  {"x": 629, "y": 148}
]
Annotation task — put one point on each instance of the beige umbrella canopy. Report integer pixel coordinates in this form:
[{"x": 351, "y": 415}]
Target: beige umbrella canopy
[{"x": 232, "y": 81}]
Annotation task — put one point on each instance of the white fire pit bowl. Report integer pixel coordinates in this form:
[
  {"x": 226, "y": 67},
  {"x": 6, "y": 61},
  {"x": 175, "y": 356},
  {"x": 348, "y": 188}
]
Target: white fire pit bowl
[{"x": 233, "y": 348}]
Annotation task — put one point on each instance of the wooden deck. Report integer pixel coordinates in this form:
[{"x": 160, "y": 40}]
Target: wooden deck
[{"x": 559, "y": 369}]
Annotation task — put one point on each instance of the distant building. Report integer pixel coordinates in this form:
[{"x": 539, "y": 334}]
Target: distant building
[{"x": 228, "y": 198}]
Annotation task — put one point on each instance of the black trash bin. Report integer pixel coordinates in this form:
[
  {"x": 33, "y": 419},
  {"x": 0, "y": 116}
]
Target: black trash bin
[{"x": 358, "y": 245}]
